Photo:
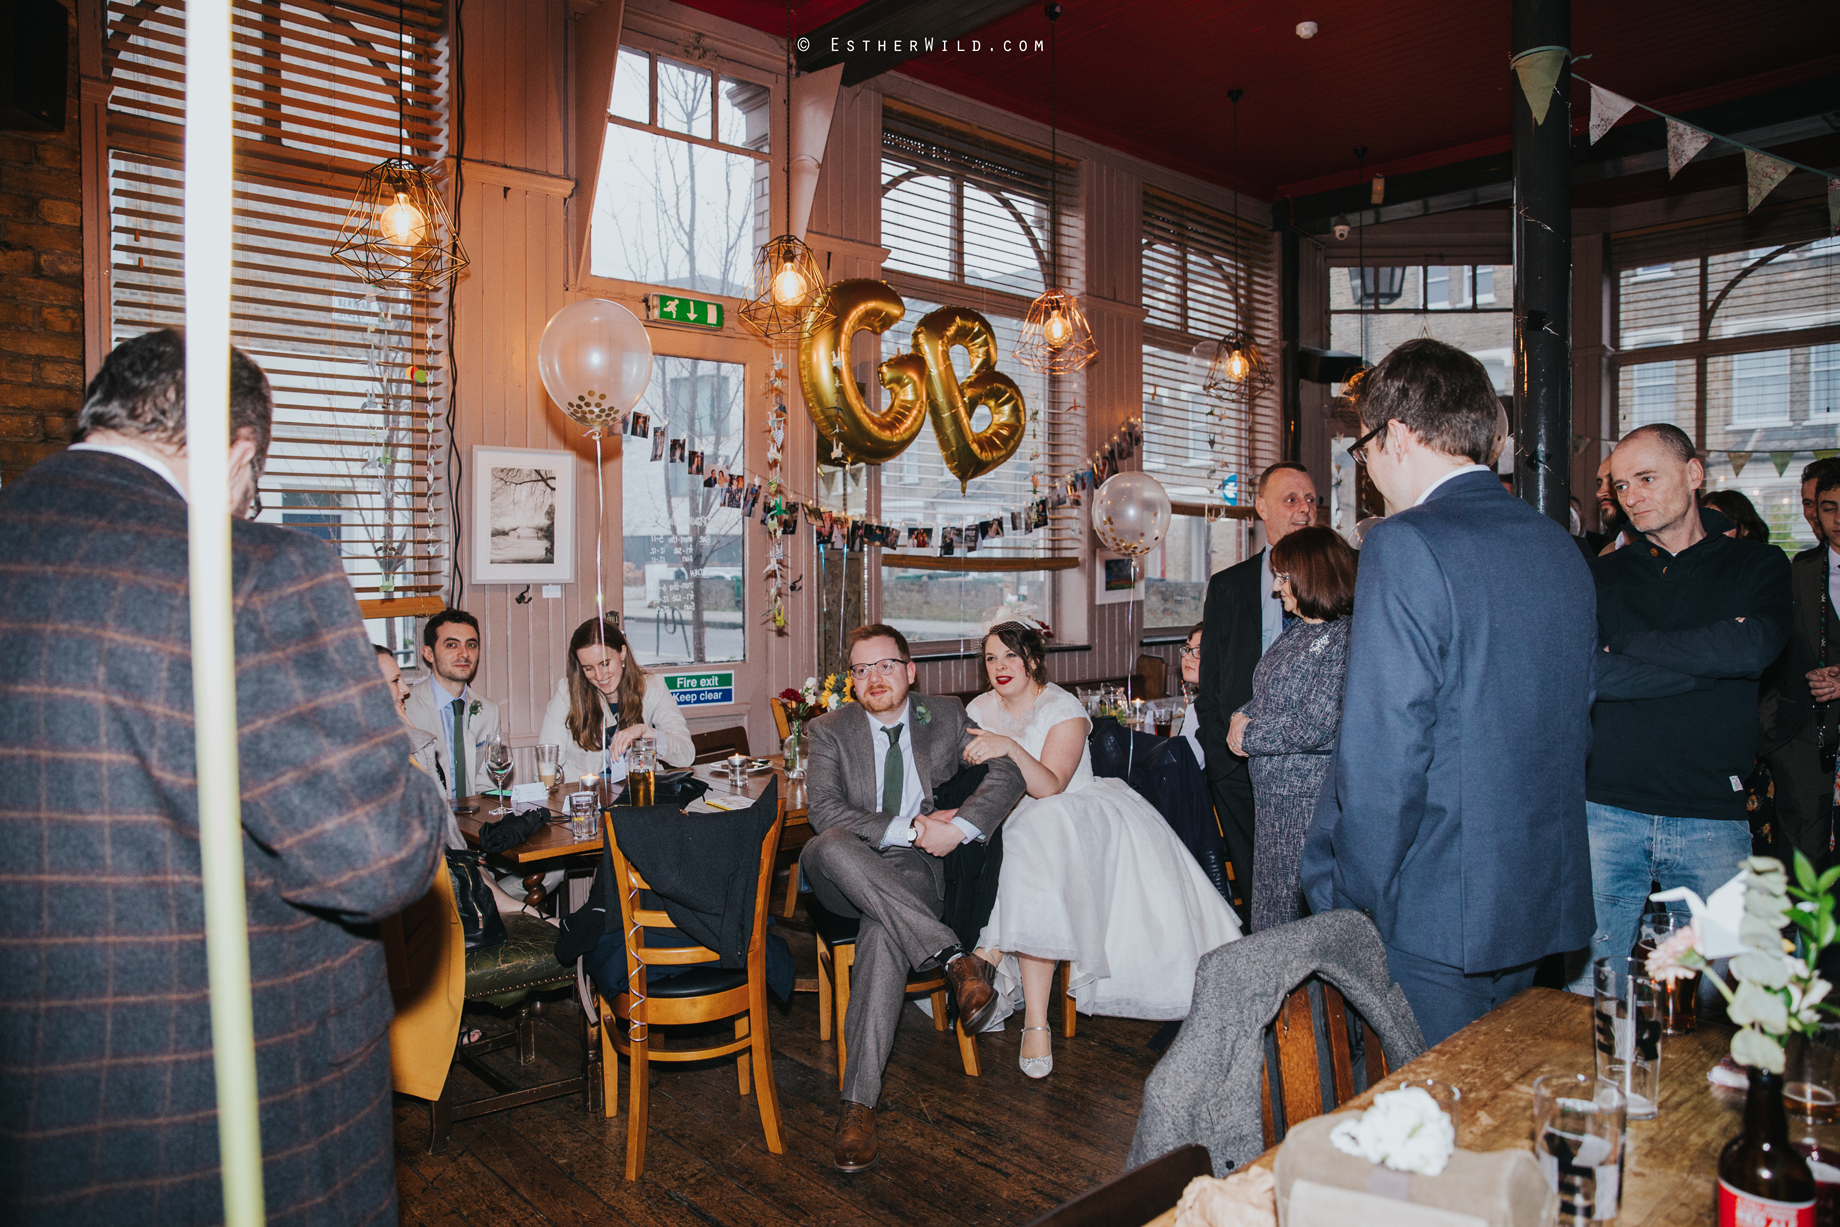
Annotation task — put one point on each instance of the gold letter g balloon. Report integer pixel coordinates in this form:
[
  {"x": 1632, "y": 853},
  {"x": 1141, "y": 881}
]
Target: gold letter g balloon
[{"x": 831, "y": 394}]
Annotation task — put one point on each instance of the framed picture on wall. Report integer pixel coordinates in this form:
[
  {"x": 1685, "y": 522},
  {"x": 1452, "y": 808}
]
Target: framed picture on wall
[
  {"x": 1112, "y": 579},
  {"x": 523, "y": 516}
]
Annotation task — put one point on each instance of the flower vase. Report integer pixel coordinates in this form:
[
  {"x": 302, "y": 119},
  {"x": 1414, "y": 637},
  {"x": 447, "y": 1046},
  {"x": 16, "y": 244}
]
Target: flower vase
[{"x": 794, "y": 750}]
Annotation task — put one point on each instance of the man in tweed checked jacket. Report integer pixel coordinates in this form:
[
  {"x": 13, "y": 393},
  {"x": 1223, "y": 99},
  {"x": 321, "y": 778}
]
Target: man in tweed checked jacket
[{"x": 105, "y": 1035}]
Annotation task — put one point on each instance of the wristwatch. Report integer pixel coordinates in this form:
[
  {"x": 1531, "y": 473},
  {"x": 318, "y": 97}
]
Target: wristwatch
[{"x": 913, "y": 834}]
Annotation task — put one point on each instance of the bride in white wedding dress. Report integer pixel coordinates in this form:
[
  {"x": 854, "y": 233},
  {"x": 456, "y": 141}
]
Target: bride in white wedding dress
[{"x": 1091, "y": 872}]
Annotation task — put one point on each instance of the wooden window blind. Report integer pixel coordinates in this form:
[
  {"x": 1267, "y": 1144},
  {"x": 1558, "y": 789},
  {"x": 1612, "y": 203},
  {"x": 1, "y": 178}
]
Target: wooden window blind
[
  {"x": 966, "y": 218},
  {"x": 1196, "y": 288},
  {"x": 325, "y": 89}
]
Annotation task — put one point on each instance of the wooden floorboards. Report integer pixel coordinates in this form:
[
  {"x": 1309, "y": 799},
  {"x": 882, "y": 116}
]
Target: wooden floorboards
[{"x": 956, "y": 1151}]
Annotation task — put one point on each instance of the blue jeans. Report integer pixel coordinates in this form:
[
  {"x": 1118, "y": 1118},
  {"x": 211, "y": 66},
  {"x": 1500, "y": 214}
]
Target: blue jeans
[{"x": 1631, "y": 850}]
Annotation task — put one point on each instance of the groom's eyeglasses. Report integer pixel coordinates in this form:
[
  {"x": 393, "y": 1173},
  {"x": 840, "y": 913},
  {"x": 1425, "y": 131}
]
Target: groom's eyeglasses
[
  {"x": 887, "y": 668},
  {"x": 1358, "y": 449}
]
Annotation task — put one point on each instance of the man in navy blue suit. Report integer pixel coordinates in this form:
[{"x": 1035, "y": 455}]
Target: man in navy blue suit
[{"x": 1454, "y": 814}]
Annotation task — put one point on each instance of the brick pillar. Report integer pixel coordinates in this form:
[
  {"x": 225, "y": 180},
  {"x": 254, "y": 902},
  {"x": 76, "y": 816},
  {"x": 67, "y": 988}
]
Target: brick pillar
[{"x": 41, "y": 289}]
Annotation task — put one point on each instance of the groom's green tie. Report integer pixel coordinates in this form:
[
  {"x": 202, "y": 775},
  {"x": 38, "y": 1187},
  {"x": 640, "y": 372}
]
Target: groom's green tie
[
  {"x": 459, "y": 747},
  {"x": 894, "y": 780}
]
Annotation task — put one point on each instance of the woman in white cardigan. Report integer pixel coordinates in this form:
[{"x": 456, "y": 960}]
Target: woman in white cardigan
[{"x": 606, "y": 698}]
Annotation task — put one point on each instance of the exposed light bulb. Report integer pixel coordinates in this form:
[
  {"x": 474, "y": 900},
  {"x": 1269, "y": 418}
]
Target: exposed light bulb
[
  {"x": 1237, "y": 366},
  {"x": 403, "y": 224},
  {"x": 789, "y": 286},
  {"x": 1056, "y": 328}
]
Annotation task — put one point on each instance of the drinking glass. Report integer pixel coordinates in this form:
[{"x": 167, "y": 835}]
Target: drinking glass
[
  {"x": 548, "y": 758},
  {"x": 1679, "y": 997},
  {"x": 1578, "y": 1123},
  {"x": 498, "y": 766},
  {"x": 1449, "y": 1099},
  {"x": 795, "y": 761},
  {"x": 641, "y": 765},
  {"x": 584, "y": 813},
  {"x": 1628, "y": 1028}
]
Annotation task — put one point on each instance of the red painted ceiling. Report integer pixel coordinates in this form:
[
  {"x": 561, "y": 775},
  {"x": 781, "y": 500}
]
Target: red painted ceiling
[{"x": 1420, "y": 83}]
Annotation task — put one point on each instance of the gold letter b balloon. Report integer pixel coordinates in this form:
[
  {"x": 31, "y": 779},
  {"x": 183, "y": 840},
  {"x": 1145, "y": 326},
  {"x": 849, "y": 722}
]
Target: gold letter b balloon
[{"x": 921, "y": 383}]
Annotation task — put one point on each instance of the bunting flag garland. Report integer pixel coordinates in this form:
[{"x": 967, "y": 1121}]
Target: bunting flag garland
[
  {"x": 1606, "y": 109},
  {"x": 1538, "y": 70},
  {"x": 1738, "y": 461},
  {"x": 1781, "y": 461},
  {"x": 1683, "y": 144},
  {"x": 1761, "y": 175}
]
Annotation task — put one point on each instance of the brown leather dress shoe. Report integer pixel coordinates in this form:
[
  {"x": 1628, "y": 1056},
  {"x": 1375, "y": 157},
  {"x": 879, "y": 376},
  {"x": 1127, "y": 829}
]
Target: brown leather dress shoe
[
  {"x": 857, "y": 1148},
  {"x": 969, "y": 978}
]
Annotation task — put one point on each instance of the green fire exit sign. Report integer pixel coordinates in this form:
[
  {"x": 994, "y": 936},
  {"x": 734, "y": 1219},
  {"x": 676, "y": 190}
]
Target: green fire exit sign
[{"x": 676, "y": 309}]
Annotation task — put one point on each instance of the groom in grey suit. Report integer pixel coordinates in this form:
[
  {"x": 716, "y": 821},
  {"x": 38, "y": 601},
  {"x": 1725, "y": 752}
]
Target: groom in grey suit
[{"x": 879, "y": 855}]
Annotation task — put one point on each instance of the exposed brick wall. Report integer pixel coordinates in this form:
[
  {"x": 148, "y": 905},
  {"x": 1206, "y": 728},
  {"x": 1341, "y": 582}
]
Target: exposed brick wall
[{"x": 41, "y": 289}]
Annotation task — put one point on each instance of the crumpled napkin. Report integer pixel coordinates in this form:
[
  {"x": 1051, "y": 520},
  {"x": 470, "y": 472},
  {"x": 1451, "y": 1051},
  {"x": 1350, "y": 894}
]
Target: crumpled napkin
[
  {"x": 1244, "y": 1199},
  {"x": 1405, "y": 1130}
]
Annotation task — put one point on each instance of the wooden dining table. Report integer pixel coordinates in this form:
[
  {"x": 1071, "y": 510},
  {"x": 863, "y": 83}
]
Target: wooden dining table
[
  {"x": 1670, "y": 1172},
  {"x": 555, "y": 841}
]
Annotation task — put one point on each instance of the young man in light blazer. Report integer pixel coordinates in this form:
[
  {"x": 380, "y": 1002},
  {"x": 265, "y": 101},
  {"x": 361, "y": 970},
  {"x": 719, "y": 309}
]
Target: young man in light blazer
[
  {"x": 879, "y": 855},
  {"x": 445, "y": 706}
]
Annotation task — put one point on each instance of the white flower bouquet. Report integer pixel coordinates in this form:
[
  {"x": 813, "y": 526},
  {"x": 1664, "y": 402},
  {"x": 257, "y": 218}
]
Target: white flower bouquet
[{"x": 1405, "y": 1130}]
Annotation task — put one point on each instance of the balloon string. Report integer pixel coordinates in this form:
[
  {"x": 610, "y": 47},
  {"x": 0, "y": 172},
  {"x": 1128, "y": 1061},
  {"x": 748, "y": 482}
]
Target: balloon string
[{"x": 600, "y": 588}]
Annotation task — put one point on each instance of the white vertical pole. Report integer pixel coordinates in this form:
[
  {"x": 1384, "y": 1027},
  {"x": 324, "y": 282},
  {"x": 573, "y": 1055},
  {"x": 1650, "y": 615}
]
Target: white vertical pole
[{"x": 207, "y": 445}]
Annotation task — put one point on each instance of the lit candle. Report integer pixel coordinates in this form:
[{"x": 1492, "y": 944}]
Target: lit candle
[{"x": 736, "y": 772}]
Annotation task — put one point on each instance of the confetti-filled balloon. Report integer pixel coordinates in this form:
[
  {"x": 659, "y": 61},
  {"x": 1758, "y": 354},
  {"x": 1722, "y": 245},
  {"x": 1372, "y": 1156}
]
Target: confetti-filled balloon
[
  {"x": 596, "y": 361},
  {"x": 1130, "y": 513}
]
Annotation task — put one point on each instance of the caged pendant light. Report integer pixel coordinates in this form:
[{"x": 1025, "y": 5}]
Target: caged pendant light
[
  {"x": 1232, "y": 368},
  {"x": 1056, "y": 339},
  {"x": 397, "y": 232},
  {"x": 787, "y": 284}
]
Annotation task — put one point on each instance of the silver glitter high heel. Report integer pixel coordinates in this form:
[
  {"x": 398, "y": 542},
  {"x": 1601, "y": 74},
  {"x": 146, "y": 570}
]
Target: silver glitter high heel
[{"x": 1036, "y": 1067}]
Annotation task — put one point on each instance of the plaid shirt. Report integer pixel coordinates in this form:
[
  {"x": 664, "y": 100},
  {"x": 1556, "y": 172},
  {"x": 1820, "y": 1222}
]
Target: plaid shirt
[{"x": 105, "y": 1034}]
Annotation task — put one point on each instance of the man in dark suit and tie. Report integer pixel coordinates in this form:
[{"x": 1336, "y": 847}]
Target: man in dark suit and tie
[
  {"x": 1240, "y": 620},
  {"x": 105, "y": 999},
  {"x": 1454, "y": 814}
]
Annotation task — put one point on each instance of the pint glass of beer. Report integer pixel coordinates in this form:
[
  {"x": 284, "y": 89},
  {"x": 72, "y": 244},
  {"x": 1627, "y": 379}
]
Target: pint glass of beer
[{"x": 641, "y": 765}]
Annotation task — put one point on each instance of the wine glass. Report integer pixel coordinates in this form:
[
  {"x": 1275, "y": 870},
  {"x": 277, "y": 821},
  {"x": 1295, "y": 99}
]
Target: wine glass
[{"x": 498, "y": 766}]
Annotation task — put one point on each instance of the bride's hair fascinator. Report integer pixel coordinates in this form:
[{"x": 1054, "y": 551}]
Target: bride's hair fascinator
[{"x": 1022, "y": 615}]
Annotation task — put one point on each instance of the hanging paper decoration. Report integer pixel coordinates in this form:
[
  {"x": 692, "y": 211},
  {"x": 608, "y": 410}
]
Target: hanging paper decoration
[
  {"x": 775, "y": 515},
  {"x": 1606, "y": 109},
  {"x": 1761, "y": 175},
  {"x": 1826, "y": 453},
  {"x": 1738, "y": 461},
  {"x": 1781, "y": 461},
  {"x": 1538, "y": 70},
  {"x": 1683, "y": 144}
]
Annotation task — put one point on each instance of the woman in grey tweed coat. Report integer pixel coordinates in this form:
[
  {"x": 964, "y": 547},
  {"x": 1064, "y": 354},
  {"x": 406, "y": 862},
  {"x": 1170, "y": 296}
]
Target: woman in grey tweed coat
[{"x": 1288, "y": 728}]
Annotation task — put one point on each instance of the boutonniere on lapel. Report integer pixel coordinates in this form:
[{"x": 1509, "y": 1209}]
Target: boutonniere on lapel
[
  {"x": 474, "y": 709},
  {"x": 922, "y": 714}
]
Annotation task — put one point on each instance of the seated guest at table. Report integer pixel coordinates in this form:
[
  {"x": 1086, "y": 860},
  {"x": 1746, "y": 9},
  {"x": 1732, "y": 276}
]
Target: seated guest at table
[
  {"x": 1453, "y": 812},
  {"x": 879, "y": 856},
  {"x": 1191, "y": 685},
  {"x": 1287, "y": 730},
  {"x": 446, "y": 707},
  {"x": 1091, "y": 872},
  {"x": 1746, "y": 524},
  {"x": 605, "y": 701}
]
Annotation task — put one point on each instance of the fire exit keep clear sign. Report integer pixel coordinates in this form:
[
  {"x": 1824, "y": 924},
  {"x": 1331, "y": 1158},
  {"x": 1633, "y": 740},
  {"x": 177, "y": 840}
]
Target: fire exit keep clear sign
[{"x": 704, "y": 688}]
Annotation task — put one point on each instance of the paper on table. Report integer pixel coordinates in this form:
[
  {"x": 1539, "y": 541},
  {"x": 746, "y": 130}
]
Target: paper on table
[
  {"x": 726, "y": 804},
  {"x": 536, "y": 794},
  {"x": 1321, "y": 1205}
]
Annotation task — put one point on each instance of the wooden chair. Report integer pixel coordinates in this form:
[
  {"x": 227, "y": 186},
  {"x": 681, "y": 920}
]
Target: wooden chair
[
  {"x": 706, "y": 994},
  {"x": 1141, "y": 1194},
  {"x": 1155, "y": 672},
  {"x": 837, "y": 956},
  {"x": 431, "y": 978},
  {"x": 1300, "y": 1086},
  {"x": 779, "y": 717},
  {"x": 718, "y": 744}
]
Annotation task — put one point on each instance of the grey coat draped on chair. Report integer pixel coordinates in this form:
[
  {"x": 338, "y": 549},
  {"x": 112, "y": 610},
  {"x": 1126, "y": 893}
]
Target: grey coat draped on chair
[{"x": 1206, "y": 1087}]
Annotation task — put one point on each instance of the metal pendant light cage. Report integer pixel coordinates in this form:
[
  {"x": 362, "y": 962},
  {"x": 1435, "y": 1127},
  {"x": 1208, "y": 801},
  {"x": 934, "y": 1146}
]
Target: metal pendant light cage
[
  {"x": 1056, "y": 339},
  {"x": 1232, "y": 368},
  {"x": 786, "y": 290},
  {"x": 397, "y": 232},
  {"x": 788, "y": 287}
]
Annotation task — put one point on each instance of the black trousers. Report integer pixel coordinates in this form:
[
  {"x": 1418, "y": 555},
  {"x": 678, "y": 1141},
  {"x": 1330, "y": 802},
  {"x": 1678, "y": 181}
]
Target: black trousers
[
  {"x": 1232, "y": 794},
  {"x": 1804, "y": 802}
]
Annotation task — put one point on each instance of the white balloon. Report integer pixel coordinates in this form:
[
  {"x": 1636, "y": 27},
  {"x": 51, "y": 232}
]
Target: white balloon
[
  {"x": 596, "y": 361},
  {"x": 1130, "y": 513}
]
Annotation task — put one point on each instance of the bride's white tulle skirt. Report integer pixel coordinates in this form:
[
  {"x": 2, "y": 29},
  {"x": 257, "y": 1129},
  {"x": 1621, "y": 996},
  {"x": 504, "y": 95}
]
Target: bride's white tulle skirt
[{"x": 1095, "y": 876}]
